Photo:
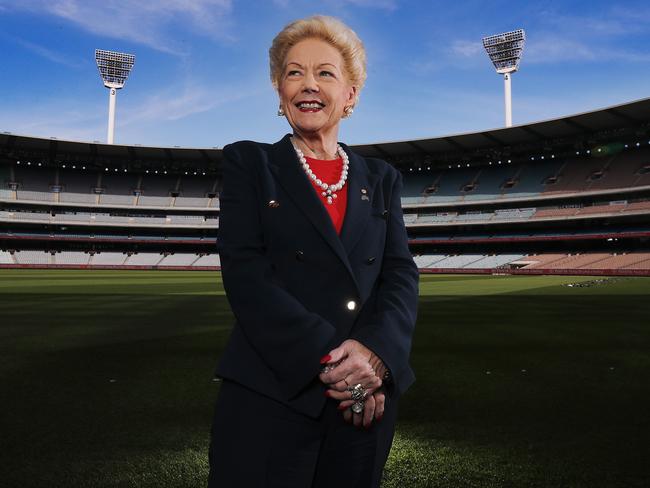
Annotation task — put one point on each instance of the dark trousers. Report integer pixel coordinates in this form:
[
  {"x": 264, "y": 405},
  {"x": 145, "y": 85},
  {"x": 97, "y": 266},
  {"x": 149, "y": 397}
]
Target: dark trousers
[{"x": 260, "y": 443}]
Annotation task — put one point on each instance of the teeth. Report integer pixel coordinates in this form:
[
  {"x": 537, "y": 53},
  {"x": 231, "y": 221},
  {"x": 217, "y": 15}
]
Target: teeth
[{"x": 309, "y": 105}]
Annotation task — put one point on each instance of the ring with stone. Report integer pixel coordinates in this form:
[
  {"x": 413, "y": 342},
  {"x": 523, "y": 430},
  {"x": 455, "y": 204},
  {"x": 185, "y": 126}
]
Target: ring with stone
[
  {"x": 357, "y": 392},
  {"x": 357, "y": 407}
]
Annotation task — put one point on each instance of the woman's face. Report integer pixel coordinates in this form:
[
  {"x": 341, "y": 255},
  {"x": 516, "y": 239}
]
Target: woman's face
[{"x": 314, "y": 87}]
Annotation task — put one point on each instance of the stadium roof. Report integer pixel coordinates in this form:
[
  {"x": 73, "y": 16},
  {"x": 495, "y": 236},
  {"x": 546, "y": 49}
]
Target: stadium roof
[
  {"x": 625, "y": 115},
  {"x": 630, "y": 115}
]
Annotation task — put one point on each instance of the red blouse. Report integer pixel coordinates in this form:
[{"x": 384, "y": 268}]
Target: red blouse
[{"x": 330, "y": 172}]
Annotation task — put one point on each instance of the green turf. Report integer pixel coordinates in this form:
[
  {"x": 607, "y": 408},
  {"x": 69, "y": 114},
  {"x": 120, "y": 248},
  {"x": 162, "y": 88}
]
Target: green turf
[{"x": 107, "y": 381}]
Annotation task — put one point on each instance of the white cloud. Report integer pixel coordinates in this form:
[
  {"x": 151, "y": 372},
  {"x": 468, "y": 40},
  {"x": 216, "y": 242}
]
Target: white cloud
[
  {"x": 556, "y": 38},
  {"x": 56, "y": 119},
  {"x": 466, "y": 48},
  {"x": 548, "y": 49},
  {"x": 193, "y": 98},
  {"x": 142, "y": 22},
  {"x": 555, "y": 49},
  {"x": 70, "y": 119},
  {"x": 44, "y": 52}
]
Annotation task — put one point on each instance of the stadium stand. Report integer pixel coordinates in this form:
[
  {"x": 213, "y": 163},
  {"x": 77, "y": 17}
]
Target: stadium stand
[
  {"x": 143, "y": 259},
  {"x": 211, "y": 260},
  {"x": 108, "y": 259},
  {"x": 557, "y": 196},
  {"x": 33, "y": 257},
  {"x": 6, "y": 257},
  {"x": 71, "y": 257},
  {"x": 178, "y": 260}
]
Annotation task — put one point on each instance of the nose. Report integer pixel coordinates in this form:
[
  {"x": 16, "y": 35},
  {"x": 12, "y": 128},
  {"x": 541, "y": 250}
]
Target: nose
[{"x": 309, "y": 83}]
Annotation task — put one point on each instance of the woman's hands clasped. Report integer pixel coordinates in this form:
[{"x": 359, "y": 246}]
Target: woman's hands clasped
[{"x": 352, "y": 364}]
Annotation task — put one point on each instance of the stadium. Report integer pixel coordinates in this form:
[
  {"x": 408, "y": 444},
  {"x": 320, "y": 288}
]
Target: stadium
[
  {"x": 564, "y": 196},
  {"x": 531, "y": 347}
]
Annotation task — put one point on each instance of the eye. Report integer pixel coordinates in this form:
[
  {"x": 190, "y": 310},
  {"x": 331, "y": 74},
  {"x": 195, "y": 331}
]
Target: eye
[
  {"x": 293, "y": 72},
  {"x": 326, "y": 73}
]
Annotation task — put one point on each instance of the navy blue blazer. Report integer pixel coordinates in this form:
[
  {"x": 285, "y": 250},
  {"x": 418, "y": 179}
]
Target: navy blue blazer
[{"x": 296, "y": 288}]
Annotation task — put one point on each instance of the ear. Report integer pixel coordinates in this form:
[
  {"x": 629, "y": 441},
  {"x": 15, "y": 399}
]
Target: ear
[{"x": 352, "y": 95}]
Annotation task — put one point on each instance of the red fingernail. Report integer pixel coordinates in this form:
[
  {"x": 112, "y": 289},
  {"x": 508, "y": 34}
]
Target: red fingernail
[
  {"x": 342, "y": 407},
  {"x": 380, "y": 417},
  {"x": 325, "y": 359},
  {"x": 327, "y": 393}
]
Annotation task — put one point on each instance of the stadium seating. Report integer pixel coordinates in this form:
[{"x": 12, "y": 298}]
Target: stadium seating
[
  {"x": 637, "y": 206},
  {"x": 111, "y": 199},
  {"x": 118, "y": 183},
  {"x": 180, "y": 259},
  {"x": 33, "y": 257},
  {"x": 208, "y": 260},
  {"x": 495, "y": 260},
  {"x": 143, "y": 259},
  {"x": 555, "y": 212},
  {"x": 619, "y": 261},
  {"x": 132, "y": 213},
  {"x": 198, "y": 202},
  {"x": 108, "y": 258},
  {"x": 6, "y": 257},
  {"x": 428, "y": 260},
  {"x": 71, "y": 257},
  {"x": 149, "y": 201},
  {"x": 601, "y": 209},
  {"x": 66, "y": 197},
  {"x": 33, "y": 179},
  {"x": 459, "y": 261}
]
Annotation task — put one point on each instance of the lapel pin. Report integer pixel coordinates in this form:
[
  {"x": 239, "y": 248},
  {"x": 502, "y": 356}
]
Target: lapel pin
[
  {"x": 364, "y": 194},
  {"x": 273, "y": 204}
]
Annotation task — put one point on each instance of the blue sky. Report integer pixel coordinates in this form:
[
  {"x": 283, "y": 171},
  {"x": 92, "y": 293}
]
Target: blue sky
[{"x": 201, "y": 72}]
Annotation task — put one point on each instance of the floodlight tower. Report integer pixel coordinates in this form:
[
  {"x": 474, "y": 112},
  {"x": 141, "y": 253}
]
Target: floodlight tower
[
  {"x": 505, "y": 52},
  {"x": 114, "y": 69}
]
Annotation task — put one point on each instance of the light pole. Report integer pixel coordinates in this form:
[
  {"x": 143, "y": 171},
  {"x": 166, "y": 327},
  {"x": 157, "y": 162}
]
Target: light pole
[
  {"x": 114, "y": 69},
  {"x": 505, "y": 53}
]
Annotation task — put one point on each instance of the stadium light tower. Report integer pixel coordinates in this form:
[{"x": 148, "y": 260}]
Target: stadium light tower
[
  {"x": 114, "y": 69},
  {"x": 505, "y": 52}
]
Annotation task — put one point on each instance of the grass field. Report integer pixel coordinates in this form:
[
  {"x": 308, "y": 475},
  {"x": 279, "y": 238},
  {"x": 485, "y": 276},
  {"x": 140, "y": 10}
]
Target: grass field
[{"x": 522, "y": 382}]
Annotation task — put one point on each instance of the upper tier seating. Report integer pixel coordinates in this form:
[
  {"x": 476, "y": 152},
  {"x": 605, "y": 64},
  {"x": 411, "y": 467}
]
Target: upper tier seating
[{"x": 528, "y": 179}]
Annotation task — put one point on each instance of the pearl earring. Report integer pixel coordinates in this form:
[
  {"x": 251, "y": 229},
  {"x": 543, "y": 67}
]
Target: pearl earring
[{"x": 280, "y": 111}]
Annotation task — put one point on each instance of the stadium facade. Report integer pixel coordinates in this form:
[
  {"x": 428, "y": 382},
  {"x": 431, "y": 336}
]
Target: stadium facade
[{"x": 563, "y": 196}]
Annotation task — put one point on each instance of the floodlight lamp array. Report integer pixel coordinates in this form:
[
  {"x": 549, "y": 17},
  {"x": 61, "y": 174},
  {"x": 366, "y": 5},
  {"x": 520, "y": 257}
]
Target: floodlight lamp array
[
  {"x": 505, "y": 50},
  {"x": 114, "y": 67}
]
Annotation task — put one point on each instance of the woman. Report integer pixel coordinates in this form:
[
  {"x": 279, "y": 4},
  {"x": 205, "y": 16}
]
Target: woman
[{"x": 318, "y": 273}]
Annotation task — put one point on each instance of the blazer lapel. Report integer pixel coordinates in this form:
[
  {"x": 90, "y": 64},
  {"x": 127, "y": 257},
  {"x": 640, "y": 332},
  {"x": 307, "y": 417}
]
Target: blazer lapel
[
  {"x": 291, "y": 176},
  {"x": 357, "y": 213}
]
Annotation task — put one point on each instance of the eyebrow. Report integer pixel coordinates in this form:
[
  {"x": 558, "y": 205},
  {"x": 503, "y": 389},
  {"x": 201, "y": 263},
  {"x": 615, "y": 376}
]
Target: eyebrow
[{"x": 321, "y": 64}]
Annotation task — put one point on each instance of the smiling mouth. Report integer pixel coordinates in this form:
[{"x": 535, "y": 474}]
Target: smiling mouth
[{"x": 311, "y": 106}]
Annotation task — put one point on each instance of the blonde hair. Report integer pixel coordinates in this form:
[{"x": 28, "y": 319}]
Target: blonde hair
[{"x": 325, "y": 28}]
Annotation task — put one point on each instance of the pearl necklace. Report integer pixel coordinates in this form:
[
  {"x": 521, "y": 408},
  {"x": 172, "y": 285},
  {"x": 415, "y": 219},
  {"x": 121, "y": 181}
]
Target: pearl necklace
[{"x": 329, "y": 191}]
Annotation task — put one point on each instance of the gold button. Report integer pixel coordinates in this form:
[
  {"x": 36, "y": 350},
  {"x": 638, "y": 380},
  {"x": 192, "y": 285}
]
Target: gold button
[{"x": 351, "y": 305}]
